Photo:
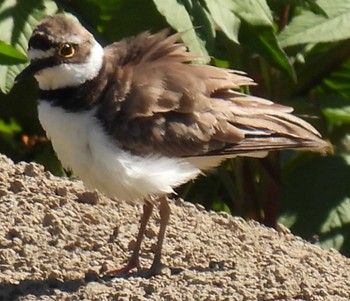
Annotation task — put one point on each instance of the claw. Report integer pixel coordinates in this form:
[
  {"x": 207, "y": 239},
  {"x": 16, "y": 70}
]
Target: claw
[{"x": 132, "y": 264}]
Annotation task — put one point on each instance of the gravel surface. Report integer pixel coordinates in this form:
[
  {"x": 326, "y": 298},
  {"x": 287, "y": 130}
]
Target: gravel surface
[{"x": 56, "y": 239}]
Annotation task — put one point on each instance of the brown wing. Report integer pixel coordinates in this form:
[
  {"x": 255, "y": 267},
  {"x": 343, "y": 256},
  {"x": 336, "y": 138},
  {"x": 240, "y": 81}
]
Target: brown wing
[{"x": 162, "y": 104}]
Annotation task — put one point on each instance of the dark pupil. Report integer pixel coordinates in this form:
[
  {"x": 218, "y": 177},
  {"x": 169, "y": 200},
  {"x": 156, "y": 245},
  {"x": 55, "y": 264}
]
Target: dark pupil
[{"x": 66, "y": 49}]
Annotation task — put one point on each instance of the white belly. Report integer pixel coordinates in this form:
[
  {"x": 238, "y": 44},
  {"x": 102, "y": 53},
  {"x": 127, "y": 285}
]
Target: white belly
[{"x": 82, "y": 146}]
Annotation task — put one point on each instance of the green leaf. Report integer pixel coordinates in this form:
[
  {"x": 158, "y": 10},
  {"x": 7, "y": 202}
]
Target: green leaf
[
  {"x": 337, "y": 115},
  {"x": 335, "y": 232},
  {"x": 315, "y": 200},
  {"x": 336, "y": 109},
  {"x": 227, "y": 21},
  {"x": 338, "y": 82},
  {"x": 9, "y": 127},
  {"x": 257, "y": 32},
  {"x": 114, "y": 20},
  {"x": 254, "y": 12},
  {"x": 311, "y": 5},
  {"x": 17, "y": 20},
  {"x": 319, "y": 64},
  {"x": 262, "y": 40},
  {"x": 315, "y": 28},
  {"x": 10, "y": 55},
  {"x": 180, "y": 15}
]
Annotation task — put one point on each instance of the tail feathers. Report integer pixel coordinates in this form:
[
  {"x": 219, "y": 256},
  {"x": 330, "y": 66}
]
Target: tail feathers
[{"x": 265, "y": 144}]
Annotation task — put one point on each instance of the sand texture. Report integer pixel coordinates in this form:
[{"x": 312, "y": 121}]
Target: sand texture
[{"x": 56, "y": 239}]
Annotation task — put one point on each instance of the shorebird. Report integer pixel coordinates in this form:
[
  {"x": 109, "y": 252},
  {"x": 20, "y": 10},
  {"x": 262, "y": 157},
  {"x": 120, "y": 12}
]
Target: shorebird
[{"x": 138, "y": 118}]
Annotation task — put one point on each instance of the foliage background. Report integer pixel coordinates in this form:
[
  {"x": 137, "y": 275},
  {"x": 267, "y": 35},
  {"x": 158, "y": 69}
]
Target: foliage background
[{"x": 299, "y": 53}]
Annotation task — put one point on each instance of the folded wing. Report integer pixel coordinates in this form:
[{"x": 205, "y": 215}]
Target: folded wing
[{"x": 166, "y": 105}]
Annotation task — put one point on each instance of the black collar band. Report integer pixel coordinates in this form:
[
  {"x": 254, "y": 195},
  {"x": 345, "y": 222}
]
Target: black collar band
[{"x": 76, "y": 98}]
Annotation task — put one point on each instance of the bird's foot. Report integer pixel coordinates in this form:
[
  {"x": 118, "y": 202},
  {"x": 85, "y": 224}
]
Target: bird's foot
[
  {"x": 156, "y": 269},
  {"x": 132, "y": 264}
]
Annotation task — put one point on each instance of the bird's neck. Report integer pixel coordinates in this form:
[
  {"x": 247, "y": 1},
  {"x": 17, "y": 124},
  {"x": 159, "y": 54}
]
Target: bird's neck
[
  {"x": 72, "y": 74},
  {"x": 78, "y": 98}
]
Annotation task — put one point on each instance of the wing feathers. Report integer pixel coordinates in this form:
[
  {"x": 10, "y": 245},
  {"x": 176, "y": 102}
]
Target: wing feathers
[{"x": 173, "y": 108}]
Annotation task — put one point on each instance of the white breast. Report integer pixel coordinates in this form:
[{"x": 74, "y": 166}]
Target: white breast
[{"x": 82, "y": 145}]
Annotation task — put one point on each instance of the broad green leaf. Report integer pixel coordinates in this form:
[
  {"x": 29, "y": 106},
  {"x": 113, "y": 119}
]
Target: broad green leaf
[
  {"x": 320, "y": 63},
  {"x": 114, "y": 20},
  {"x": 257, "y": 32},
  {"x": 17, "y": 20},
  {"x": 254, "y": 12},
  {"x": 262, "y": 40},
  {"x": 227, "y": 21},
  {"x": 176, "y": 12},
  {"x": 311, "y": 5},
  {"x": 315, "y": 200},
  {"x": 117, "y": 19},
  {"x": 334, "y": 232},
  {"x": 10, "y": 55},
  {"x": 315, "y": 28}
]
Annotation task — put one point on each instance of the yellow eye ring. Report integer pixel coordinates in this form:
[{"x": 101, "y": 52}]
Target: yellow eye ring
[{"x": 66, "y": 50}]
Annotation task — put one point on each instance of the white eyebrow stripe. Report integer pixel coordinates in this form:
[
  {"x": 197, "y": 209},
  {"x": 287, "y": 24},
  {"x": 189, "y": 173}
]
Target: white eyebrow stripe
[{"x": 35, "y": 54}]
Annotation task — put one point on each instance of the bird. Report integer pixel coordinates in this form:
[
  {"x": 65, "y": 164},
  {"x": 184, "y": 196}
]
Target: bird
[{"x": 139, "y": 117}]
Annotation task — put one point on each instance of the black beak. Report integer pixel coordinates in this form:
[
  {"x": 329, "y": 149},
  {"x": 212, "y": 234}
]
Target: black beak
[
  {"x": 33, "y": 68},
  {"x": 25, "y": 73}
]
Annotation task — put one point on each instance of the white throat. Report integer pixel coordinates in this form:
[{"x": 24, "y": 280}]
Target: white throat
[{"x": 70, "y": 75}]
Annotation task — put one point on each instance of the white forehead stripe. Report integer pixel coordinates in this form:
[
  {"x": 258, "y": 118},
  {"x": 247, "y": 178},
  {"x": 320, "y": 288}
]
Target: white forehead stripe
[
  {"x": 74, "y": 39},
  {"x": 70, "y": 75},
  {"x": 35, "y": 54}
]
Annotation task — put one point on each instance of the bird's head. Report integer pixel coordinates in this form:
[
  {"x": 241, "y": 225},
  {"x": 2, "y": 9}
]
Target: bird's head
[{"x": 62, "y": 54}]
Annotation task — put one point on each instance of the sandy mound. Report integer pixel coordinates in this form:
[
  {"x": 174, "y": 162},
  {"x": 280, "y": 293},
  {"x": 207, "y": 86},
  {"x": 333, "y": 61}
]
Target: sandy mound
[{"x": 56, "y": 239}]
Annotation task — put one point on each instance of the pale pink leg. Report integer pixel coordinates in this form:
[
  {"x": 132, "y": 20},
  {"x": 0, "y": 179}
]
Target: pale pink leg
[
  {"x": 164, "y": 211},
  {"x": 134, "y": 259}
]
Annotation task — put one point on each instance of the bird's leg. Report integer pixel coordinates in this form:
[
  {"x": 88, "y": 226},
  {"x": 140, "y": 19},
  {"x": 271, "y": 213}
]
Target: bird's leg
[
  {"x": 134, "y": 259},
  {"x": 147, "y": 212},
  {"x": 164, "y": 211}
]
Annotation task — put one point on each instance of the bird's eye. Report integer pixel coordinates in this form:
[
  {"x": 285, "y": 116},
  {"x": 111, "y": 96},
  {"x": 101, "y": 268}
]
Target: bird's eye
[{"x": 66, "y": 50}]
